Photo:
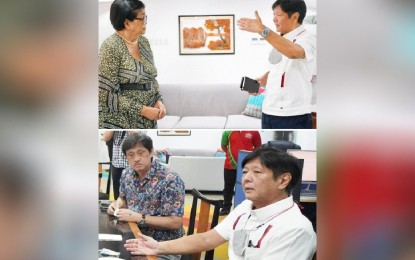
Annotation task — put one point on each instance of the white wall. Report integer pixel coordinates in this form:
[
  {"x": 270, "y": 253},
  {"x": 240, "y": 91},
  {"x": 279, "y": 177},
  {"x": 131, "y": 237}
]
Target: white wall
[
  {"x": 199, "y": 139},
  {"x": 163, "y": 33},
  {"x": 210, "y": 139},
  {"x": 307, "y": 139},
  {"x": 102, "y": 148}
]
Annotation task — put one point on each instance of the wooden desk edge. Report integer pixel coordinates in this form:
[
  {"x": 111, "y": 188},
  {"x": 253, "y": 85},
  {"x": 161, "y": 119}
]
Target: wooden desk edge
[
  {"x": 134, "y": 228},
  {"x": 308, "y": 199}
]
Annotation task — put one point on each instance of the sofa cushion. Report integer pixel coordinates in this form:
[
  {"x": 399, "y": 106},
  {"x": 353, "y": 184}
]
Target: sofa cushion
[
  {"x": 243, "y": 122},
  {"x": 201, "y": 122},
  {"x": 168, "y": 122},
  {"x": 254, "y": 106}
]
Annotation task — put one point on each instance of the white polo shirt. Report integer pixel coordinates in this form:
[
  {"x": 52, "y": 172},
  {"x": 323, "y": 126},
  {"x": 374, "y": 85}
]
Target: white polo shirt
[
  {"x": 289, "y": 90},
  {"x": 285, "y": 234}
]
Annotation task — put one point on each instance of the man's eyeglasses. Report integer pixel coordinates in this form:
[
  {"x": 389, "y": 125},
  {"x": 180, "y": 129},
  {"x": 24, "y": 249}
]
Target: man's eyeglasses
[{"x": 143, "y": 19}]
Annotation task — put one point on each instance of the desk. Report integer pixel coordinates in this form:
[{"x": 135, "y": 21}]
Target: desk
[
  {"x": 126, "y": 229},
  {"x": 307, "y": 199}
]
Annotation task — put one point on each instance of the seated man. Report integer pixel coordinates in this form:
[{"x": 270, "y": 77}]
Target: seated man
[
  {"x": 150, "y": 194},
  {"x": 267, "y": 225}
]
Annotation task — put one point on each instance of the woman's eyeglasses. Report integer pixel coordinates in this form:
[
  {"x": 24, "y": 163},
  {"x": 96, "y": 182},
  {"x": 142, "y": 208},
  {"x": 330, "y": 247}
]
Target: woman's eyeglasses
[{"x": 143, "y": 19}]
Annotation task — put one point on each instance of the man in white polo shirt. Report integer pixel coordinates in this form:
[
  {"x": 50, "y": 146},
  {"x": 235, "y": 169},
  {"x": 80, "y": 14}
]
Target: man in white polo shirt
[
  {"x": 268, "y": 225},
  {"x": 287, "y": 103}
]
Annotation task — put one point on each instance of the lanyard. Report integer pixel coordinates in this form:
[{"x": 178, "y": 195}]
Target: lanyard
[
  {"x": 276, "y": 215},
  {"x": 241, "y": 237}
]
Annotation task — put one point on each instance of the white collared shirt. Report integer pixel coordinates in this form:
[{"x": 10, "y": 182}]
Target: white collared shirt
[
  {"x": 294, "y": 98},
  {"x": 288, "y": 236}
]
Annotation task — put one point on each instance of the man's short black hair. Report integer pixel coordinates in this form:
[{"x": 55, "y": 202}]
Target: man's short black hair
[
  {"x": 124, "y": 9},
  {"x": 278, "y": 162},
  {"x": 132, "y": 140},
  {"x": 292, "y": 6}
]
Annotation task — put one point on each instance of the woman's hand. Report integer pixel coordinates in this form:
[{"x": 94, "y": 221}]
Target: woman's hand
[
  {"x": 143, "y": 245},
  {"x": 162, "y": 109},
  {"x": 151, "y": 113}
]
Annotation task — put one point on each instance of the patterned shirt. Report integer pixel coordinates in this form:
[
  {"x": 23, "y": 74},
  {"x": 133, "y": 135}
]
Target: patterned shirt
[
  {"x": 118, "y": 158},
  {"x": 161, "y": 193},
  {"x": 120, "y": 109}
]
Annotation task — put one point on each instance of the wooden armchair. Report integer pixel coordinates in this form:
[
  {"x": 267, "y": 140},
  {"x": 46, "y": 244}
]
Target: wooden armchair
[{"x": 203, "y": 222}]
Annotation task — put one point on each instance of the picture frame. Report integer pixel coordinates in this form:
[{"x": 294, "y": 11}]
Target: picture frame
[
  {"x": 206, "y": 34},
  {"x": 173, "y": 132}
]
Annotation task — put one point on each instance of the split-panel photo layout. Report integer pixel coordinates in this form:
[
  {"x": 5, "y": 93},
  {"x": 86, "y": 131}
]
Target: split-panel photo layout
[{"x": 207, "y": 129}]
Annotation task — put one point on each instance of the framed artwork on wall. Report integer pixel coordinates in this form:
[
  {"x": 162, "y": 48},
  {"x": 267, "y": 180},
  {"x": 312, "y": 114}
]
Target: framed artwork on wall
[{"x": 206, "y": 34}]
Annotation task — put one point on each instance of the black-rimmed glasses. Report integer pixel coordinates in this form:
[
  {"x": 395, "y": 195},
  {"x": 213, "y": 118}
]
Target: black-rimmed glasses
[{"x": 143, "y": 19}]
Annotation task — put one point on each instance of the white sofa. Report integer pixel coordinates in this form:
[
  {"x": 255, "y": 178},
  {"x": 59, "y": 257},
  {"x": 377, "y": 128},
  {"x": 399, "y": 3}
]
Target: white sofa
[
  {"x": 202, "y": 106},
  {"x": 198, "y": 172}
]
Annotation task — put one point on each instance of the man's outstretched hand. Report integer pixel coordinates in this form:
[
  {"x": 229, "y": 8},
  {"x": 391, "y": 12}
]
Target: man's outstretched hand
[
  {"x": 251, "y": 25},
  {"x": 144, "y": 245}
]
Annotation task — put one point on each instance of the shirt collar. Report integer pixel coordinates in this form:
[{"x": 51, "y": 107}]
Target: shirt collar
[
  {"x": 153, "y": 169},
  {"x": 151, "y": 172},
  {"x": 291, "y": 35},
  {"x": 270, "y": 210}
]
